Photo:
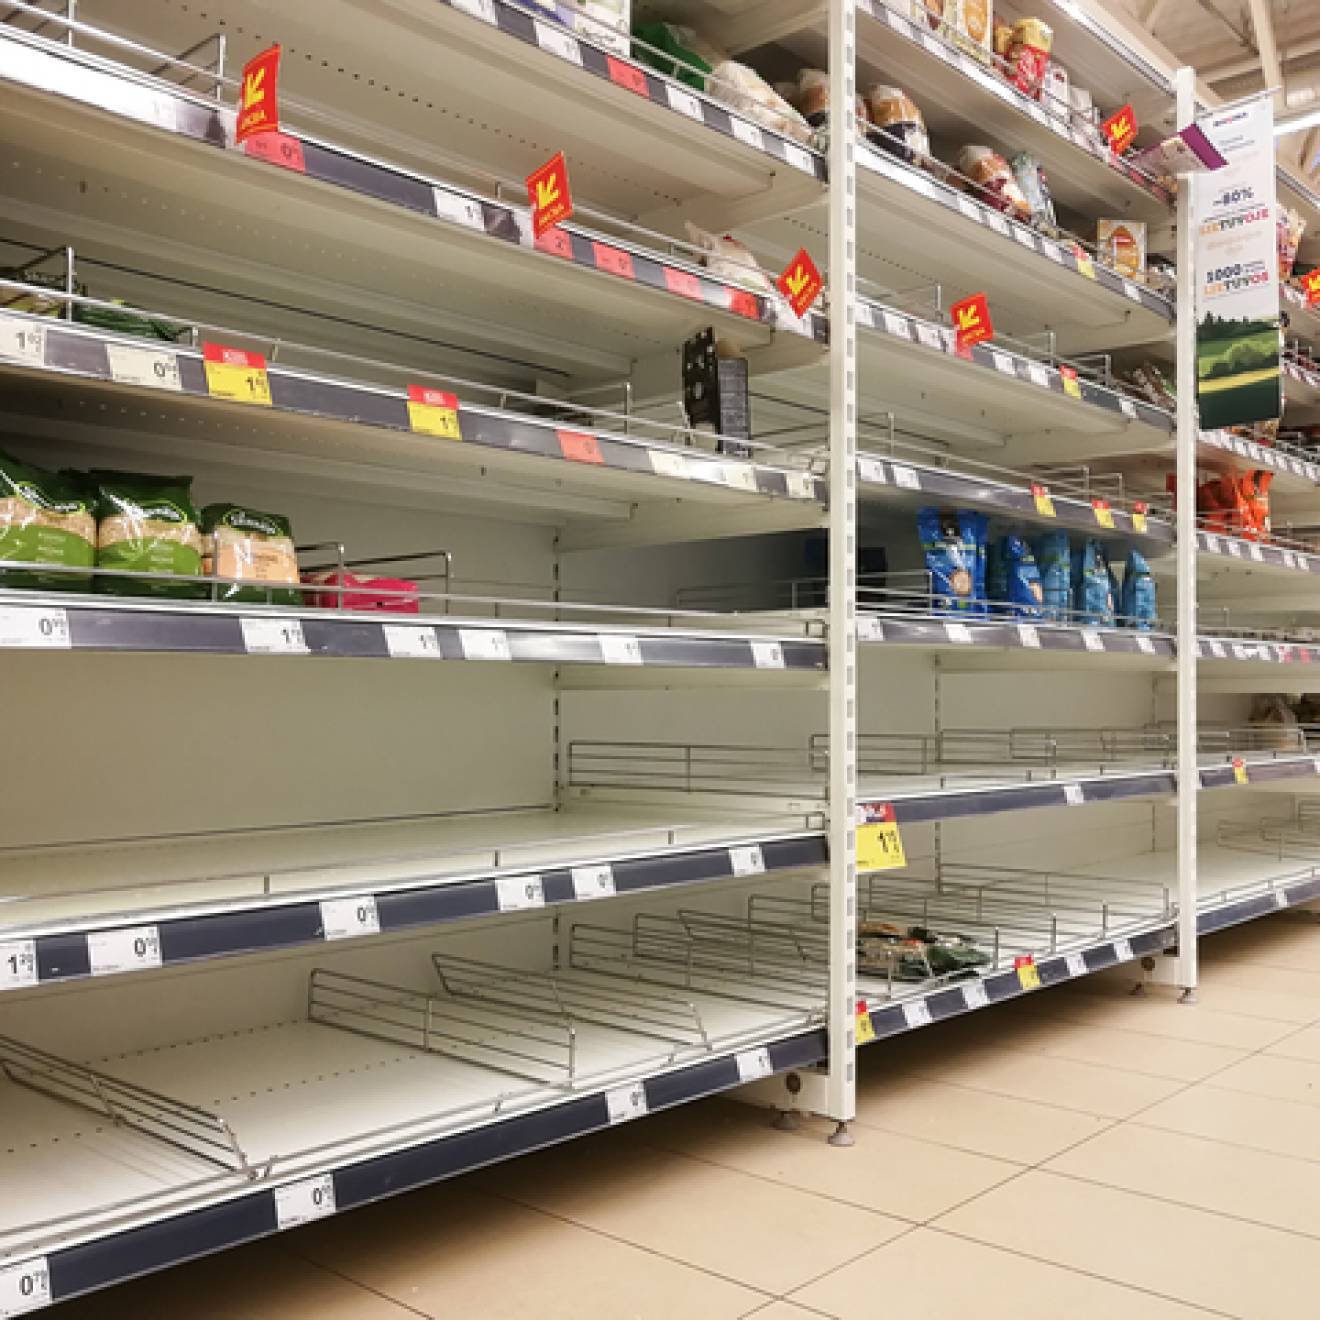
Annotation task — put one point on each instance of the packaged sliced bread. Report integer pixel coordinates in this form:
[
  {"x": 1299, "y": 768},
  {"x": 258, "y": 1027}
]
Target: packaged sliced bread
[{"x": 250, "y": 546}]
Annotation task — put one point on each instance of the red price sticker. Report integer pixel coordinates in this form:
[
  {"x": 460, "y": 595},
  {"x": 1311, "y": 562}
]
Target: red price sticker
[
  {"x": 613, "y": 261},
  {"x": 864, "y": 1028},
  {"x": 1104, "y": 515},
  {"x": 548, "y": 193},
  {"x": 800, "y": 282},
  {"x": 259, "y": 109},
  {"x": 1084, "y": 263},
  {"x": 1028, "y": 973},
  {"x": 743, "y": 303},
  {"x": 1139, "y": 512},
  {"x": 1121, "y": 129},
  {"x": 1311, "y": 285},
  {"x": 236, "y": 375},
  {"x": 1044, "y": 504},
  {"x": 1073, "y": 389},
  {"x": 578, "y": 447},
  {"x": 277, "y": 149},
  {"x": 971, "y": 323},
  {"x": 433, "y": 412},
  {"x": 1239, "y": 770},
  {"x": 683, "y": 283},
  {"x": 628, "y": 75}
]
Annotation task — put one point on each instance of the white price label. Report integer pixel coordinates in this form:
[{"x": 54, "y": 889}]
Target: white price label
[
  {"x": 748, "y": 860},
  {"x": 24, "y": 1287},
  {"x": 1315, "y": 764},
  {"x": 905, "y": 477},
  {"x": 931, "y": 44},
  {"x": 917, "y": 1014},
  {"x": 768, "y": 655},
  {"x": 1145, "y": 645},
  {"x": 998, "y": 223},
  {"x": 24, "y": 626},
  {"x": 1092, "y": 640},
  {"x": 627, "y": 1102},
  {"x": 1234, "y": 549},
  {"x": 666, "y": 464},
  {"x": 1280, "y": 898},
  {"x": 958, "y": 632},
  {"x": 458, "y": 209},
  {"x": 1132, "y": 291},
  {"x": 684, "y": 102},
  {"x": 1076, "y": 964},
  {"x": 558, "y": 42},
  {"x": 896, "y": 325},
  {"x": 301, "y": 1202},
  {"x": 1052, "y": 250},
  {"x": 754, "y": 1064},
  {"x": 869, "y": 628},
  {"x": 1123, "y": 950},
  {"x": 1029, "y": 636},
  {"x": 616, "y": 649},
  {"x": 593, "y": 882},
  {"x": 1126, "y": 406},
  {"x": 801, "y": 485},
  {"x": 484, "y": 644},
  {"x": 1256, "y": 552},
  {"x": 929, "y": 335},
  {"x": 348, "y": 918},
  {"x": 969, "y": 208},
  {"x": 1003, "y": 363},
  {"x": 131, "y": 950},
  {"x": 799, "y": 158},
  {"x": 872, "y": 470},
  {"x": 748, "y": 133},
  {"x": 273, "y": 637},
  {"x": 974, "y": 995},
  {"x": 1217, "y": 650},
  {"x": 21, "y": 341},
  {"x": 1038, "y": 376},
  {"x": 1072, "y": 795},
  {"x": 154, "y": 368},
  {"x": 517, "y": 893},
  {"x": 412, "y": 641},
  {"x": 18, "y": 964},
  {"x": 739, "y": 476},
  {"x": 482, "y": 9},
  {"x": 1025, "y": 237}
]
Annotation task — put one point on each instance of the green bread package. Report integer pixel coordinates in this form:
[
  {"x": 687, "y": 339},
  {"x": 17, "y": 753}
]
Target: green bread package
[
  {"x": 45, "y": 518},
  {"x": 253, "y": 547},
  {"x": 148, "y": 525}
]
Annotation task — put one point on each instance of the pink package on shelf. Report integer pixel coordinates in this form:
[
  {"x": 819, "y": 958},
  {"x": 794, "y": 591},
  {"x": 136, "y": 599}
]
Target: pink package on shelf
[{"x": 393, "y": 595}]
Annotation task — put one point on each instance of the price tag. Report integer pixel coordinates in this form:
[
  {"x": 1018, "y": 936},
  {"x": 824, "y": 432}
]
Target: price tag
[
  {"x": 1072, "y": 795},
  {"x": 21, "y": 625},
  {"x": 879, "y": 843},
  {"x": 1076, "y": 964},
  {"x": 969, "y": 208},
  {"x": 863, "y": 1027},
  {"x": 1003, "y": 363},
  {"x": 869, "y": 628},
  {"x": 801, "y": 485},
  {"x": 1028, "y": 636},
  {"x": 799, "y": 158},
  {"x": 1025, "y": 237},
  {"x": 917, "y": 1014},
  {"x": 1104, "y": 515},
  {"x": 999, "y": 224},
  {"x": 1217, "y": 650},
  {"x": 21, "y": 341},
  {"x": 1085, "y": 265},
  {"x": 1052, "y": 250},
  {"x": 684, "y": 102},
  {"x": 667, "y": 464},
  {"x": 739, "y": 476},
  {"x": 433, "y": 412},
  {"x": 872, "y": 470},
  {"x": 1072, "y": 387},
  {"x": 412, "y": 641},
  {"x": 930, "y": 336},
  {"x": 1132, "y": 291},
  {"x": 747, "y": 133},
  {"x": 18, "y": 964},
  {"x": 593, "y": 882},
  {"x": 24, "y": 1287},
  {"x": 974, "y": 995},
  {"x": 1038, "y": 376},
  {"x": 1028, "y": 973},
  {"x": 152, "y": 367},
  {"x": 273, "y": 637},
  {"x": 1123, "y": 950},
  {"x": 748, "y": 860},
  {"x": 754, "y": 1064},
  {"x": 620, "y": 650},
  {"x": 482, "y": 9},
  {"x": 132, "y": 950},
  {"x": 958, "y": 632},
  {"x": 896, "y": 325},
  {"x": 1044, "y": 504},
  {"x": 1239, "y": 770},
  {"x": 905, "y": 477},
  {"x": 768, "y": 655},
  {"x": 458, "y": 209},
  {"x": 624, "y": 1103},
  {"x": 517, "y": 893},
  {"x": 301, "y": 1202},
  {"x": 484, "y": 644},
  {"x": 557, "y": 42},
  {"x": 1092, "y": 640},
  {"x": 1139, "y": 518},
  {"x": 235, "y": 375},
  {"x": 349, "y": 918},
  {"x": 1145, "y": 645}
]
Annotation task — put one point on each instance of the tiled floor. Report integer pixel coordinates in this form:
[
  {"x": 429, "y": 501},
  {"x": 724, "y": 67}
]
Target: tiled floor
[{"x": 1080, "y": 1153}]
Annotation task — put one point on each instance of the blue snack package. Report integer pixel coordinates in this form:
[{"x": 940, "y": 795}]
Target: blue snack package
[
  {"x": 996, "y": 578},
  {"x": 1139, "y": 602},
  {"x": 976, "y": 533},
  {"x": 1093, "y": 587},
  {"x": 951, "y": 561},
  {"x": 1023, "y": 590},
  {"x": 1054, "y": 564}
]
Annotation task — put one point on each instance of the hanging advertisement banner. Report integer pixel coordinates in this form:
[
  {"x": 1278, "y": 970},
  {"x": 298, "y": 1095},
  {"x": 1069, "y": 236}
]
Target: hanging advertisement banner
[{"x": 1237, "y": 270}]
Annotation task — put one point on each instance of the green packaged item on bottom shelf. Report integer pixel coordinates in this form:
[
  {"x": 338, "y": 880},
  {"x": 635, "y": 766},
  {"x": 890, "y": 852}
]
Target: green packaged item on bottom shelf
[
  {"x": 45, "y": 518},
  {"x": 250, "y": 546},
  {"x": 147, "y": 525}
]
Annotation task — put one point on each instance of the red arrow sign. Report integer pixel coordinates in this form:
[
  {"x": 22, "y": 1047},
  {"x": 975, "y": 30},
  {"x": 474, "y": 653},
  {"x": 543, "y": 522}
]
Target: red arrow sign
[
  {"x": 1311, "y": 283},
  {"x": 1121, "y": 129},
  {"x": 800, "y": 283},
  {"x": 971, "y": 323},
  {"x": 547, "y": 191},
  {"x": 258, "y": 106}
]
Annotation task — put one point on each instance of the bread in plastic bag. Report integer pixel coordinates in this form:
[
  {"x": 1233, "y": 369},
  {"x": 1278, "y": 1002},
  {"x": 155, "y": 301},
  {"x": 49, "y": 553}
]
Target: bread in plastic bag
[
  {"x": 245, "y": 544},
  {"x": 45, "y": 518},
  {"x": 899, "y": 125},
  {"x": 992, "y": 181},
  {"x": 147, "y": 525}
]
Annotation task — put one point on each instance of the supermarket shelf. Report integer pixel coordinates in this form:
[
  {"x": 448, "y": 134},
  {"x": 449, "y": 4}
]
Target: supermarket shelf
[
  {"x": 1295, "y": 473},
  {"x": 1303, "y": 317},
  {"x": 80, "y": 910},
  {"x": 1301, "y": 392},
  {"x": 90, "y": 148},
  {"x": 345, "y": 428}
]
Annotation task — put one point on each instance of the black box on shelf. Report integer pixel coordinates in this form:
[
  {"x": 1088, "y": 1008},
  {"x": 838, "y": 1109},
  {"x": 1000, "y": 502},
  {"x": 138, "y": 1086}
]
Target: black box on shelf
[{"x": 715, "y": 393}]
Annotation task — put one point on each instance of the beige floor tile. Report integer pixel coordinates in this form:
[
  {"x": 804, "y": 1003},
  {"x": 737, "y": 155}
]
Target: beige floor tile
[
  {"x": 928, "y": 1275},
  {"x": 452, "y": 1251},
  {"x": 1007, "y": 1127},
  {"x": 1088, "y": 1088},
  {"x": 1300, "y": 986},
  {"x": 1220, "y": 996},
  {"x": 785, "y": 1311},
  {"x": 763, "y": 1234},
  {"x": 1304, "y": 1044},
  {"x": 1286, "y": 1127},
  {"x": 1193, "y": 1256},
  {"x": 1270, "y": 1075},
  {"x": 1281, "y": 942},
  {"x": 256, "y": 1281},
  {"x": 884, "y": 1171},
  {"x": 1277, "y": 1190}
]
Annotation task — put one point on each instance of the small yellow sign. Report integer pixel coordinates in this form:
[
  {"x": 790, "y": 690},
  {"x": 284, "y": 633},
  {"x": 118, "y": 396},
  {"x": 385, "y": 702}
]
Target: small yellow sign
[
  {"x": 1138, "y": 517},
  {"x": 433, "y": 412},
  {"x": 236, "y": 375},
  {"x": 1028, "y": 973},
  {"x": 879, "y": 844},
  {"x": 864, "y": 1031},
  {"x": 1044, "y": 504},
  {"x": 1104, "y": 515},
  {"x": 1071, "y": 385},
  {"x": 1084, "y": 262},
  {"x": 1239, "y": 770}
]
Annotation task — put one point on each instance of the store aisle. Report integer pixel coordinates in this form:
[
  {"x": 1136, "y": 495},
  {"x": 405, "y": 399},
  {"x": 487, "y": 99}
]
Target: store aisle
[{"x": 1079, "y": 1153}]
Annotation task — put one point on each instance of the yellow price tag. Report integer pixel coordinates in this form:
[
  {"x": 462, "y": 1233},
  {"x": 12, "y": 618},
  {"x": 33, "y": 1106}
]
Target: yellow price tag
[
  {"x": 1084, "y": 263},
  {"x": 864, "y": 1031},
  {"x": 1138, "y": 517},
  {"x": 236, "y": 375},
  {"x": 1071, "y": 385},
  {"x": 433, "y": 412},
  {"x": 1028, "y": 973},
  {"x": 1104, "y": 515},
  {"x": 879, "y": 844},
  {"x": 1044, "y": 505},
  {"x": 1239, "y": 770}
]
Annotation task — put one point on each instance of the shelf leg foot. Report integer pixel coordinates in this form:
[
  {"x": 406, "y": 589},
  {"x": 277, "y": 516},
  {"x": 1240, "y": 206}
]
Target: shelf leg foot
[
  {"x": 786, "y": 1121},
  {"x": 1187, "y": 995},
  {"x": 1139, "y": 989},
  {"x": 842, "y": 1136}
]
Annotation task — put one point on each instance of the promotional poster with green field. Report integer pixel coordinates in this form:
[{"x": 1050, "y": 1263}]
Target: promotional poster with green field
[{"x": 1237, "y": 272}]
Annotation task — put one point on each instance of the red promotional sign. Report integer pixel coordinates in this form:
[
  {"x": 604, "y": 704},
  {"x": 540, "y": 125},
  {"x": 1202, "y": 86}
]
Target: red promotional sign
[
  {"x": 1311, "y": 284},
  {"x": 800, "y": 283},
  {"x": 258, "y": 109},
  {"x": 971, "y": 322},
  {"x": 547, "y": 191},
  {"x": 1121, "y": 129}
]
